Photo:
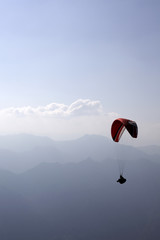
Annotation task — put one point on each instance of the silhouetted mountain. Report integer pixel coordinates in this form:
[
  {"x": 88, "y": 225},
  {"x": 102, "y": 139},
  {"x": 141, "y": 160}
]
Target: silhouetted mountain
[
  {"x": 81, "y": 201},
  {"x": 23, "y": 142},
  {"x": 30, "y": 150},
  {"x": 70, "y": 190}
]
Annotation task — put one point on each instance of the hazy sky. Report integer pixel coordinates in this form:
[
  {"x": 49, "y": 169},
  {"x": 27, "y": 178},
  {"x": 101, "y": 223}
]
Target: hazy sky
[{"x": 69, "y": 67}]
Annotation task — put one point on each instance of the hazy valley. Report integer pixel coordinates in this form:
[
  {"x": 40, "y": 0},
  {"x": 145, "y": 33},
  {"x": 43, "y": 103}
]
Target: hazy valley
[{"x": 68, "y": 190}]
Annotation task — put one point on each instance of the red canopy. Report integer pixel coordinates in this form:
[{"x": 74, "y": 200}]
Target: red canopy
[{"x": 119, "y": 125}]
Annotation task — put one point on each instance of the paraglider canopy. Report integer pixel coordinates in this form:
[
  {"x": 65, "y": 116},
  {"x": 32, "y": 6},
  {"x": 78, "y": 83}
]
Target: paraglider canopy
[
  {"x": 119, "y": 125},
  {"x": 117, "y": 129}
]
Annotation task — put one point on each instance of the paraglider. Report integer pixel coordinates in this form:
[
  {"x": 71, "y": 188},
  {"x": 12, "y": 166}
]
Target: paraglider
[
  {"x": 117, "y": 130},
  {"x": 121, "y": 180}
]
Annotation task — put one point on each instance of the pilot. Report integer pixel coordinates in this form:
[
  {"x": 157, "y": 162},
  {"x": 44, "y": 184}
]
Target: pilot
[{"x": 121, "y": 180}]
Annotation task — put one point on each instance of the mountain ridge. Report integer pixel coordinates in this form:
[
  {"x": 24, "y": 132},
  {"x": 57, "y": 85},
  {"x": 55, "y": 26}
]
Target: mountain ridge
[
  {"x": 81, "y": 201},
  {"x": 41, "y": 149}
]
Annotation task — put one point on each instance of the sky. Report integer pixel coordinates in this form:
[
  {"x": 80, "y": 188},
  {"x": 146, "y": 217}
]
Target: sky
[{"x": 69, "y": 68}]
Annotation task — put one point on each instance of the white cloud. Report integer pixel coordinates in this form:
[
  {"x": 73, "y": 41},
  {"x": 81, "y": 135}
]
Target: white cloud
[
  {"x": 81, "y": 107},
  {"x": 85, "y": 107},
  {"x": 58, "y": 121}
]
